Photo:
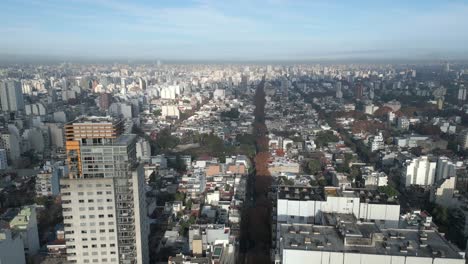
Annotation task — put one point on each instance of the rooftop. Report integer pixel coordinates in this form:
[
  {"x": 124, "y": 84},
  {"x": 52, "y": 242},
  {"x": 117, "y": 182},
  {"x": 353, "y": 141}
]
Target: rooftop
[
  {"x": 320, "y": 194},
  {"x": 345, "y": 234}
]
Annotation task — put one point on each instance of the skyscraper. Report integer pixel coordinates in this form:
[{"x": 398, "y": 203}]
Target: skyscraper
[
  {"x": 359, "y": 91},
  {"x": 11, "y": 96},
  {"x": 462, "y": 93},
  {"x": 104, "y": 206}
]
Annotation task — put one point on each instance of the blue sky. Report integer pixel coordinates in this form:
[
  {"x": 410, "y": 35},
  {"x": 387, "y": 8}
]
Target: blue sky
[{"x": 236, "y": 29}]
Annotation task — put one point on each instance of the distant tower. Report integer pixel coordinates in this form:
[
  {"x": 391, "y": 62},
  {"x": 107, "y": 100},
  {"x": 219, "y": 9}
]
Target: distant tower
[
  {"x": 447, "y": 67},
  {"x": 358, "y": 91},
  {"x": 11, "y": 96},
  {"x": 462, "y": 93},
  {"x": 339, "y": 93},
  {"x": 440, "y": 103},
  {"x": 123, "y": 86}
]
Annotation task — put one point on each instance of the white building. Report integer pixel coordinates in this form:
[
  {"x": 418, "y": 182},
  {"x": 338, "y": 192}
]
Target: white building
[
  {"x": 345, "y": 240},
  {"x": 219, "y": 94},
  {"x": 104, "y": 199},
  {"x": 376, "y": 142},
  {"x": 419, "y": 171},
  {"x": 444, "y": 192},
  {"x": 171, "y": 111},
  {"x": 375, "y": 179},
  {"x": 11, "y": 96},
  {"x": 11, "y": 248},
  {"x": 307, "y": 205},
  {"x": 143, "y": 149},
  {"x": 35, "y": 109},
  {"x": 370, "y": 109}
]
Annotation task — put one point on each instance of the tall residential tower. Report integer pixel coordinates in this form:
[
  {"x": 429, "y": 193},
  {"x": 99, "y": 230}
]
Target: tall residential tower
[{"x": 104, "y": 206}]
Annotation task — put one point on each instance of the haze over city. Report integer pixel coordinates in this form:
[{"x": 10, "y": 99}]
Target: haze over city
[
  {"x": 233, "y": 132},
  {"x": 235, "y": 30}
]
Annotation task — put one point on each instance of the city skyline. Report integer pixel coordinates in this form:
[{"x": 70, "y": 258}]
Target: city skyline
[{"x": 235, "y": 30}]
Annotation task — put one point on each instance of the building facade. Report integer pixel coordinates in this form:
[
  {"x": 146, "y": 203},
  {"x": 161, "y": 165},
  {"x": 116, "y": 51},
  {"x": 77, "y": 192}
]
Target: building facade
[
  {"x": 11, "y": 96},
  {"x": 103, "y": 198}
]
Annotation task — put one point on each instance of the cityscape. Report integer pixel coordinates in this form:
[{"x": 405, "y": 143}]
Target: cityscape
[{"x": 224, "y": 154}]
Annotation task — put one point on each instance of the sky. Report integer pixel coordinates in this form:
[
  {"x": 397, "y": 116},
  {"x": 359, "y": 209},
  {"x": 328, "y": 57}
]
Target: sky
[{"x": 235, "y": 29}]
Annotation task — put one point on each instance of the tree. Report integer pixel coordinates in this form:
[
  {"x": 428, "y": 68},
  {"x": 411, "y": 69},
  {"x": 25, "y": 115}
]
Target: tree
[
  {"x": 179, "y": 196},
  {"x": 388, "y": 190},
  {"x": 325, "y": 137},
  {"x": 157, "y": 112},
  {"x": 314, "y": 166}
]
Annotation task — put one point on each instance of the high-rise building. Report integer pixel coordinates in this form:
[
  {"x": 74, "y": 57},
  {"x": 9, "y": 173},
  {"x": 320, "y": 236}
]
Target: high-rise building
[
  {"x": 358, "y": 91},
  {"x": 419, "y": 171},
  {"x": 11, "y": 96},
  {"x": 104, "y": 207},
  {"x": 339, "y": 93},
  {"x": 462, "y": 93},
  {"x": 3, "y": 159}
]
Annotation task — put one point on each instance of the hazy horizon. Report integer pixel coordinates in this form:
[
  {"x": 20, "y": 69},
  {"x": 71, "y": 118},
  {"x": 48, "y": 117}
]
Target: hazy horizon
[{"x": 235, "y": 30}]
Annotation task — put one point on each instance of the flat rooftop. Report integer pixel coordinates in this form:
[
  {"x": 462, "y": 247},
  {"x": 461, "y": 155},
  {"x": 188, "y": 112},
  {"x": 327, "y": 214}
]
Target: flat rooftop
[
  {"x": 366, "y": 238},
  {"x": 320, "y": 194},
  {"x": 300, "y": 193}
]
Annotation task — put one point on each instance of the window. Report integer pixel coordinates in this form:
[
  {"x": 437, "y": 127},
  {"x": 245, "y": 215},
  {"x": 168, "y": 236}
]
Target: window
[
  {"x": 111, "y": 230},
  {"x": 84, "y": 232},
  {"x": 108, "y": 192},
  {"x": 82, "y": 209},
  {"x": 108, "y": 200},
  {"x": 100, "y": 208},
  {"x": 81, "y": 201},
  {"x": 85, "y": 246},
  {"x": 102, "y": 231},
  {"x": 94, "y": 246},
  {"x": 90, "y": 201},
  {"x": 110, "y": 215},
  {"x": 103, "y": 245},
  {"x": 109, "y": 207},
  {"x": 112, "y": 245},
  {"x": 92, "y": 216},
  {"x": 82, "y": 216},
  {"x": 99, "y": 193},
  {"x": 80, "y": 193},
  {"x": 101, "y": 223},
  {"x": 93, "y": 239},
  {"x": 84, "y": 239},
  {"x": 91, "y": 208},
  {"x": 101, "y": 216}
]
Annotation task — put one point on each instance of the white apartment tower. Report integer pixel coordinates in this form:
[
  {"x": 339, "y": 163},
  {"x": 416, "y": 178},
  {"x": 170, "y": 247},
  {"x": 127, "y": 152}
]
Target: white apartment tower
[
  {"x": 419, "y": 171},
  {"x": 104, "y": 206},
  {"x": 11, "y": 96}
]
